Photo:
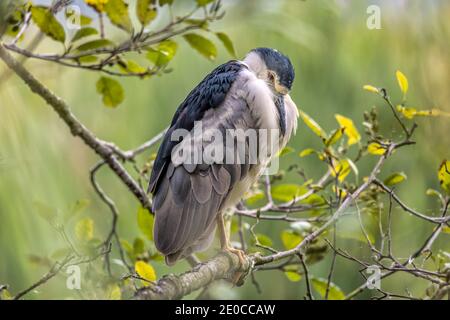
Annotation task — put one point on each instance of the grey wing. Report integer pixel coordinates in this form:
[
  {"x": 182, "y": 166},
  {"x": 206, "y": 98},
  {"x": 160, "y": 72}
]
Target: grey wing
[{"x": 191, "y": 195}]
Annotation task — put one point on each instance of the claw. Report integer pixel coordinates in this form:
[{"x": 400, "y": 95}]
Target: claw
[{"x": 239, "y": 253}]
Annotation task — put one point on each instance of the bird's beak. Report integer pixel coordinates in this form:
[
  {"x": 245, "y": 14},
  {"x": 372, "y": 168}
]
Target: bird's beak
[{"x": 281, "y": 89}]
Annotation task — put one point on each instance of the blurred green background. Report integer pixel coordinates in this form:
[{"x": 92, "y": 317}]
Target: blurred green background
[{"x": 334, "y": 54}]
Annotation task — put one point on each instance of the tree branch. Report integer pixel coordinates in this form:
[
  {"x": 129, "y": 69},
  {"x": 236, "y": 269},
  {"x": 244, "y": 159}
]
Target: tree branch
[
  {"x": 76, "y": 127},
  {"x": 170, "y": 287}
]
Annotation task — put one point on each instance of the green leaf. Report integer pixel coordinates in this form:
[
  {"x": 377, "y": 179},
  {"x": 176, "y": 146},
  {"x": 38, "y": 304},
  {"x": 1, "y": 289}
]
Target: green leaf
[
  {"x": 395, "y": 178},
  {"x": 255, "y": 197},
  {"x": 131, "y": 66},
  {"x": 227, "y": 43},
  {"x": 334, "y": 293},
  {"x": 293, "y": 276},
  {"x": 128, "y": 248},
  {"x": 314, "y": 199},
  {"x": 138, "y": 246},
  {"x": 84, "y": 32},
  {"x": 201, "y": 23},
  {"x": 117, "y": 11},
  {"x": 264, "y": 240},
  {"x": 145, "y": 222},
  {"x": 84, "y": 20},
  {"x": 11, "y": 21},
  {"x": 290, "y": 239},
  {"x": 433, "y": 192},
  {"x": 95, "y": 44},
  {"x": 87, "y": 59},
  {"x": 145, "y": 271},
  {"x": 203, "y": 45},
  {"x": 46, "y": 212},
  {"x": 111, "y": 90},
  {"x": 163, "y": 54},
  {"x": 163, "y": 2},
  {"x": 84, "y": 229},
  {"x": 287, "y": 192},
  {"x": 146, "y": 11},
  {"x": 202, "y": 3},
  {"x": 47, "y": 23}
]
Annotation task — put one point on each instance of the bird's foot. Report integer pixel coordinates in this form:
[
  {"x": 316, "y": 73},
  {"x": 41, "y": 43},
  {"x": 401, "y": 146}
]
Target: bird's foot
[
  {"x": 239, "y": 274},
  {"x": 241, "y": 255}
]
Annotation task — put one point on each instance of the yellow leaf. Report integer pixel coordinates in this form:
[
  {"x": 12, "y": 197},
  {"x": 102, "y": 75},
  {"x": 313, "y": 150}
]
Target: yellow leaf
[
  {"x": 98, "y": 5},
  {"x": 5, "y": 295},
  {"x": 402, "y": 81},
  {"x": 350, "y": 130},
  {"x": 306, "y": 152},
  {"x": 376, "y": 149},
  {"x": 370, "y": 88},
  {"x": 335, "y": 136},
  {"x": 312, "y": 124},
  {"x": 285, "y": 151},
  {"x": 334, "y": 292},
  {"x": 145, "y": 271},
  {"x": 444, "y": 175},
  {"x": 84, "y": 229},
  {"x": 339, "y": 191},
  {"x": 293, "y": 276},
  {"x": 341, "y": 169},
  {"x": 290, "y": 239},
  {"x": 114, "y": 293},
  {"x": 410, "y": 113},
  {"x": 395, "y": 178}
]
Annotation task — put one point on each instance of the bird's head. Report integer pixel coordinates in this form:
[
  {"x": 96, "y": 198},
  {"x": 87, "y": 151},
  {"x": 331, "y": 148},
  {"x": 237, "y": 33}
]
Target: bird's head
[{"x": 273, "y": 67}]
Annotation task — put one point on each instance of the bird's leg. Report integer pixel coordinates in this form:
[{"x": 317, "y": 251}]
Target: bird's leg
[{"x": 225, "y": 241}]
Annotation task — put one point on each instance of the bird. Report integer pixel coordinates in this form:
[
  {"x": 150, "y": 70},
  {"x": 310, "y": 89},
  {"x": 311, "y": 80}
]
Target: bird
[{"x": 191, "y": 197}]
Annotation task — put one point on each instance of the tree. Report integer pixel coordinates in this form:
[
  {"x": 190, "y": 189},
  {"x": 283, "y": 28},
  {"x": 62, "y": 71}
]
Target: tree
[{"x": 310, "y": 210}]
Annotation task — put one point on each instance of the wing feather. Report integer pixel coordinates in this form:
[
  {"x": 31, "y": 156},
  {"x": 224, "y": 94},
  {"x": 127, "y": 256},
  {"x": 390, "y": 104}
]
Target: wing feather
[{"x": 210, "y": 93}]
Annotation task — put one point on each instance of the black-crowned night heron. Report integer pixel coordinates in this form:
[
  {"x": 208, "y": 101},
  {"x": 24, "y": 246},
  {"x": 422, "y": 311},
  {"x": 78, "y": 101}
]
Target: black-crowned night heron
[{"x": 191, "y": 191}]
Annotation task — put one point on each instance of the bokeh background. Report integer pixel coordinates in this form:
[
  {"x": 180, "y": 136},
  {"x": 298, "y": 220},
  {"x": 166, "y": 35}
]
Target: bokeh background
[{"x": 334, "y": 54}]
